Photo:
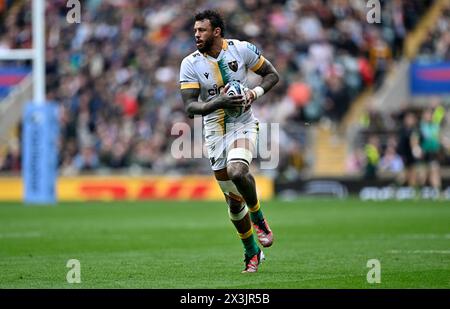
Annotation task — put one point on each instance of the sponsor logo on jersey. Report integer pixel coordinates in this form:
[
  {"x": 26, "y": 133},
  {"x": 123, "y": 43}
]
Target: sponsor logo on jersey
[{"x": 216, "y": 90}]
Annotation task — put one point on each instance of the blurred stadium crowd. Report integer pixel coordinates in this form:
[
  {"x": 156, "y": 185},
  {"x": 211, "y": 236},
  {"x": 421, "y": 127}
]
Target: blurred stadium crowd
[
  {"x": 115, "y": 75},
  {"x": 413, "y": 142},
  {"x": 409, "y": 144},
  {"x": 436, "y": 46}
]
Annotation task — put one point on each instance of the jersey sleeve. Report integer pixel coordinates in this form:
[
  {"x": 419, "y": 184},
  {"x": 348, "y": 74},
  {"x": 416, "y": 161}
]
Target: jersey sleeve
[
  {"x": 251, "y": 55},
  {"x": 188, "y": 77}
]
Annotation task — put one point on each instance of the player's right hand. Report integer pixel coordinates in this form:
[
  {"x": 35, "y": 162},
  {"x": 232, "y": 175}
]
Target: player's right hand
[{"x": 227, "y": 101}]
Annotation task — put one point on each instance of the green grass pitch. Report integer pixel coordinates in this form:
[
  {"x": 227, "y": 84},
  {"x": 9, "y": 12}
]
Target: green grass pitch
[{"x": 319, "y": 243}]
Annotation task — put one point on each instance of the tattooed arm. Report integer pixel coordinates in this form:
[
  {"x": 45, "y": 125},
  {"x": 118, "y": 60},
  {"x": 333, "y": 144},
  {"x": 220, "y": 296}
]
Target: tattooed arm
[
  {"x": 270, "y": 78},
  {"x": 194, "y": 107},
  {"x": 269, "y": 74}
]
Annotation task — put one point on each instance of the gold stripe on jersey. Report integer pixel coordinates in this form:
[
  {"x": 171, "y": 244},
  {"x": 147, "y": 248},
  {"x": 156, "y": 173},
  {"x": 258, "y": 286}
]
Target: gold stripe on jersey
[
  {"x": 221, "y": 119},
  {"x": 224, "y": 44},
  {"x": 216, "y": 73},
  {"x": 258, "y": 65},
  {"x": 190, "y": 86}
]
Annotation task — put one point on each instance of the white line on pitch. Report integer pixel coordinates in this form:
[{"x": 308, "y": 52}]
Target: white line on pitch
[
  {"x": 419, "y": 251},
  {"x": 20, "y": 235}
]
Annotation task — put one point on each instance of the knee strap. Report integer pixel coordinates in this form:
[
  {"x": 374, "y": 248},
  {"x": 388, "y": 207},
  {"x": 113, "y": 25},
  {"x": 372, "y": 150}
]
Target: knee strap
[
  {"x": 228, "y": 187},
  {"x": 240, "y": 155}
]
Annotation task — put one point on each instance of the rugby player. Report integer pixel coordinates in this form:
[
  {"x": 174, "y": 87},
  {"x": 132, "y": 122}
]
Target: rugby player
[{"x": 231, "y": 141}]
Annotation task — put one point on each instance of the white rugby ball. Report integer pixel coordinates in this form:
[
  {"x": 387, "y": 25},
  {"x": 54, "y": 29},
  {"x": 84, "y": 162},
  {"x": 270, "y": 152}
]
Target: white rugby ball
[{"x": 236, "y": 88}]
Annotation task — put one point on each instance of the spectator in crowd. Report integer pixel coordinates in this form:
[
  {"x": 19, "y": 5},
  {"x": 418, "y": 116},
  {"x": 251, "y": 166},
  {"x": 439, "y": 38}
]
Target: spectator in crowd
[
  {"x": 372, "y": 151},
  {"x": 430, "y": 145},
  {"x": 356, "y": 161},
  {"x": 380, "y": 57},
  {"x": 337, "y": 98},
  {"x": 391, "y": 161},
  {"x": 408, "y": 147},
  {"x": 86, "y": 159},
  {"x": 11, "y": 160}
]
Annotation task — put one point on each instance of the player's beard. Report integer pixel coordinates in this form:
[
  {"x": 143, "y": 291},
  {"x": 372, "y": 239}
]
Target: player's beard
[{"x": 206, "y": 45}]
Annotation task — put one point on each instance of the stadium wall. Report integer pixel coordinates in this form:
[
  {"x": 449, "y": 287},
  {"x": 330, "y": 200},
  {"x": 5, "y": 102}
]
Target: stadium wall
[
  {"x": 94, "y": 188},
  {"x": 343, "y": 187}
]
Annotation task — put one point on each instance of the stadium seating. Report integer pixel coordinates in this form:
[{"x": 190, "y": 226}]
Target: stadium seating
[{"x": 115, "y": 74}]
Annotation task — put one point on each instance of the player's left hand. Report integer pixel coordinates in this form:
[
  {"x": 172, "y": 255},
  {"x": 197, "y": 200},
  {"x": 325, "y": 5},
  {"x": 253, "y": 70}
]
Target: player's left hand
[{"x": 250, "y": 96}]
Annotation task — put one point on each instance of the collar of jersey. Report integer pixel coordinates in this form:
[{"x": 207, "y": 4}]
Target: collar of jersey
[{"x": 224, "y": 47}]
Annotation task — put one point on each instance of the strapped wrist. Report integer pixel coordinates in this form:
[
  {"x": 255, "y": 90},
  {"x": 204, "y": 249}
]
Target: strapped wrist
[{"x": 258, "y": 91}]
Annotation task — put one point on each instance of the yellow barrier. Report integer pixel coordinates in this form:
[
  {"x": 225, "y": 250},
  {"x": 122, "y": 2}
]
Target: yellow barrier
[{"x": 88, "y": 188}]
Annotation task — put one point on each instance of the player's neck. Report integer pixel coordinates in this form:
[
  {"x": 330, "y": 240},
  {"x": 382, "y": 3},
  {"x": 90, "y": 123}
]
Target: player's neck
[{"x": 216, "y": 48}]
